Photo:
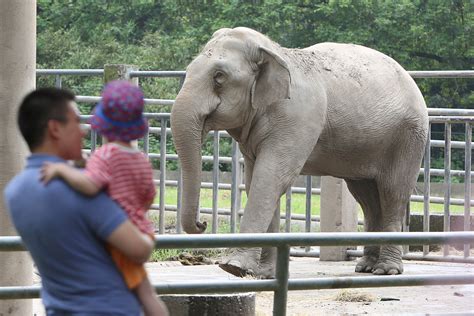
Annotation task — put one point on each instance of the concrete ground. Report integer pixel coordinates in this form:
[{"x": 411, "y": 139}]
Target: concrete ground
[{"x": 424, "y": 300}]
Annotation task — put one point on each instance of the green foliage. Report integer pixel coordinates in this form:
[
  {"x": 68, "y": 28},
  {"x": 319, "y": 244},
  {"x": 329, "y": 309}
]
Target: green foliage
[{"x": 167, "y": 34}]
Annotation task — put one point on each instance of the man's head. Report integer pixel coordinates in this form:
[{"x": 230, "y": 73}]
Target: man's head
[{"x": 49, "y": 123}]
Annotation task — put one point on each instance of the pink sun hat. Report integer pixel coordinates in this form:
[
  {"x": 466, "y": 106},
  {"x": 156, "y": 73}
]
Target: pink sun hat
[{"x": 119, "y": 115}]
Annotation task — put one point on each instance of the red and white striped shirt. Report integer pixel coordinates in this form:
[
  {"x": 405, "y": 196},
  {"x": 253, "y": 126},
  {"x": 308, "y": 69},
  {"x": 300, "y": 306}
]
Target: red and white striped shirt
[{"x": 127, "y": 176}]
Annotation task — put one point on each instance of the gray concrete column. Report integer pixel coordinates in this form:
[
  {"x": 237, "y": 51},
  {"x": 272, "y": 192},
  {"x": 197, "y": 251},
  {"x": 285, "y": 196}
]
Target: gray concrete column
[
  {"x": 17, "y": 77},
  {"x": 338, "y": 214}
]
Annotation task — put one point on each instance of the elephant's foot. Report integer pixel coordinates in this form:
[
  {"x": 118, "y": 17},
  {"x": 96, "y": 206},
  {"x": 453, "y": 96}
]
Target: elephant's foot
[
  {"x": 390, "y": 261},
  {"x": 366, "y": 264},
  {"x": 266, "y": 268},
  {"x": 241, "y": 262}
]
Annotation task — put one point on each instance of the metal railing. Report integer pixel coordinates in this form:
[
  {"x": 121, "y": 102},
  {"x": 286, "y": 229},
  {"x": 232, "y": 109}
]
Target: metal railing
[
  {"x": 282, "y": 283},
  {"x": 448, "y": 117}
]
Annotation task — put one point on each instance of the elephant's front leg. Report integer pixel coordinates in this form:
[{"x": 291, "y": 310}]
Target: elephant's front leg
[
  {"x": 265, "y": 186},
  {"x": 243, "y": 261},
  {"x": 257, "y": 262},
  {"x": 267, "y": 266}
]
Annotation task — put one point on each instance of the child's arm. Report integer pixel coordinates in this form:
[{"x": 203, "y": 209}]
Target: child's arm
[{"x": 74, "y": 177}]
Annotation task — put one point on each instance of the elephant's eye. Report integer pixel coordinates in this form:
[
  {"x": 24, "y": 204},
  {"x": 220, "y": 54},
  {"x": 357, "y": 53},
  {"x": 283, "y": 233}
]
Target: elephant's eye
[{"x": 219, "y": 78}]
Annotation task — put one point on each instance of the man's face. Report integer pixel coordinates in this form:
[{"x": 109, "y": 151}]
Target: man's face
[{"x": 70, "y": 135}]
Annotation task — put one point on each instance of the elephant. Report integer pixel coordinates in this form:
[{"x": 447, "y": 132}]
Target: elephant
[{"x": 332, "y": 109}]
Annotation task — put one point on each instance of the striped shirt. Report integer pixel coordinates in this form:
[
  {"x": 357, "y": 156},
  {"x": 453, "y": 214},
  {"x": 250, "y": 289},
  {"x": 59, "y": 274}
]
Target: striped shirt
[{"x": 127, "y": 176}]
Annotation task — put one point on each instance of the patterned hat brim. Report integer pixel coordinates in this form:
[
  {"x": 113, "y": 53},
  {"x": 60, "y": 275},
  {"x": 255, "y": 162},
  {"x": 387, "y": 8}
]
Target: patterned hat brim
[{"x": 122, "y": 131}]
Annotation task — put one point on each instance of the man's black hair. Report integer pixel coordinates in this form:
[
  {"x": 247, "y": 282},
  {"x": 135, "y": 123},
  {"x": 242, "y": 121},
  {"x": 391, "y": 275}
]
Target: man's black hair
[{"x": 37, "y": 108}]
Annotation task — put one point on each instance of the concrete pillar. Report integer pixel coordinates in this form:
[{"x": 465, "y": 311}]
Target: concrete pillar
[
  {"x": 17, "y": 78},
  {"x": 338, "y": 214}
]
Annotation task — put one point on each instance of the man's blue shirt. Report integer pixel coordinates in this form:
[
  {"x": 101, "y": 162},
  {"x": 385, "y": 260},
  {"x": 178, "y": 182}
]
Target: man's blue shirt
[{"x": 65, "y": 233}]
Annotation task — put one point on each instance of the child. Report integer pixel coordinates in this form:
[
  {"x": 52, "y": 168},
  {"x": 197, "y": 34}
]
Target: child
[{"x": 123, "y": 171}]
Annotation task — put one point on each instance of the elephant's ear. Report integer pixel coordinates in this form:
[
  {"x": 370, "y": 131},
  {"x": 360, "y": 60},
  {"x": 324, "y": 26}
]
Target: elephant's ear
[{"x": 273, "y": 80}]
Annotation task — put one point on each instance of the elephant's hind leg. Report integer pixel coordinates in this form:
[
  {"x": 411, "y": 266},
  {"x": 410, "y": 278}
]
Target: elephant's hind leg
[
  {"x": 394, "y": 199},
  {"x": 367, "y": 194},
  {"x": 395, "y": 187}
]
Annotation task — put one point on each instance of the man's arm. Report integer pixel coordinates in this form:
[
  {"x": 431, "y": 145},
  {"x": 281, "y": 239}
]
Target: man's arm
[
  {"x": 131, "y": 242},
  {"x": 74, "y": 177}
]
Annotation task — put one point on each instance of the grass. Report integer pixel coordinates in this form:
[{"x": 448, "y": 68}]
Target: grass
[{"x": 298, "y": 202}]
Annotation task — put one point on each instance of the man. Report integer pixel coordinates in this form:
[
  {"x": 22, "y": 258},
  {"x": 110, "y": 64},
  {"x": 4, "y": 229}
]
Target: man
[{"x": 65, "y": 231}]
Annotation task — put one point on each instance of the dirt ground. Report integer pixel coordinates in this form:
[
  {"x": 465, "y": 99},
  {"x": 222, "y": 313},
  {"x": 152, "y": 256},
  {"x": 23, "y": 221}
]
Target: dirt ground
[
  {"x": 414, "y": 300},
  {"x": 419, "y": 300}
]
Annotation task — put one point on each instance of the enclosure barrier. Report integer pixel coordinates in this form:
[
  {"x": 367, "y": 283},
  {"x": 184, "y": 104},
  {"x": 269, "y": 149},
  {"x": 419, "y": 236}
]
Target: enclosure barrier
[
  {"x": 281, "y": 284},
  {"x": 448, "y": 117}
]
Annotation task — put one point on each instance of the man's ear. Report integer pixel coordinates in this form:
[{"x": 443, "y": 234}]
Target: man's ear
[{"x": 53, "y": 129}]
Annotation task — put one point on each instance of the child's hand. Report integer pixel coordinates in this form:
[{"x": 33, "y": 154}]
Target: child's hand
[{"x": 50, "y": 171}]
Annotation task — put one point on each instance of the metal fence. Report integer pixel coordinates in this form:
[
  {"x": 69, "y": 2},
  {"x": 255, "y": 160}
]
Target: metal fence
[
  {"x": 282, "y": 284},
  {"x": 283, "y": 242},
  {"x": 447, "y": 117}
]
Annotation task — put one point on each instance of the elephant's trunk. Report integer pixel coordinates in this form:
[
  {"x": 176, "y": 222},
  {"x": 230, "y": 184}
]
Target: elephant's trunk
[{"x": 187, "y": 129}]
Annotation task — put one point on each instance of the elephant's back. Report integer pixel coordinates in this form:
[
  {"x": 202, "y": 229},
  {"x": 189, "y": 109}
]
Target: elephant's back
[
  {"x": 370, "y": 99},
  {"x": 363, "y": 83}
]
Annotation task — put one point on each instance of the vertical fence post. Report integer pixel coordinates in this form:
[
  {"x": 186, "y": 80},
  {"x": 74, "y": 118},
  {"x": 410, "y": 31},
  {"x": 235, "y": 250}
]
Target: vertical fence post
[
  {"x": 447, "y": 182},
  {"x": 235, "y": 186},
  {"x": 179, "y": 199},
  {"x": 93, "y": 140},
  {"x": 215, "y": 182},
  {"x": 162, "y": 176},
  {"x": 309, "y": 188},
  {"x": 58, "y": 82},
  {"x": 282, "y": 267},
  {"x": 338, "y": 214},
  {"x": 288, "y": 210},
  {"x": 426, "y": 189},
  {"x": 467, "y": 184}
]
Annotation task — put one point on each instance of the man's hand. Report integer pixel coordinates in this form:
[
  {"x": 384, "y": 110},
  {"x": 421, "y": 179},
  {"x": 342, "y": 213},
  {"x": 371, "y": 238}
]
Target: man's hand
[
  {"x": 131, "y": 242},
  {"x": 49, "y": 171}
]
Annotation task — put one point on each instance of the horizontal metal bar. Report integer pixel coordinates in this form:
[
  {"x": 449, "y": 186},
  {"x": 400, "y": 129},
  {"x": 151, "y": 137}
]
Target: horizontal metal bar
[
  {"x": 196, "y": 287},
  {"x": 419, "y": 257},
  {"x": 312, "y": 239},
  {"x": 442, "y": 74},
  {"x": 159, "y": 74},
  {"x": 451, "y": 119},
  {"x": 227, "y": 212},
  {"x": 19, "y": 292},
  {"x": 440, "y": 172},
  {"x": 11, "y": 243},
  {"x": 75, "y": 72},
  {"x": 408, "y": 256},
  {"x": 447, "y": 111},
  {"x": 143, "y": 73},
  {"x": 293, "y": 239},
  {"x": 439, "y": 200},
  {"x": 454, "y": 144},
  {"x": 91, "y": 99},
  {"x": 378, "y": 281}
]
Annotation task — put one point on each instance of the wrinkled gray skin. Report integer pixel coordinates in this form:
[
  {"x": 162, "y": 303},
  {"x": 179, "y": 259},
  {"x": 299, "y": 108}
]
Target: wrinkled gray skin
[{"x": 330, "y": 109}]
